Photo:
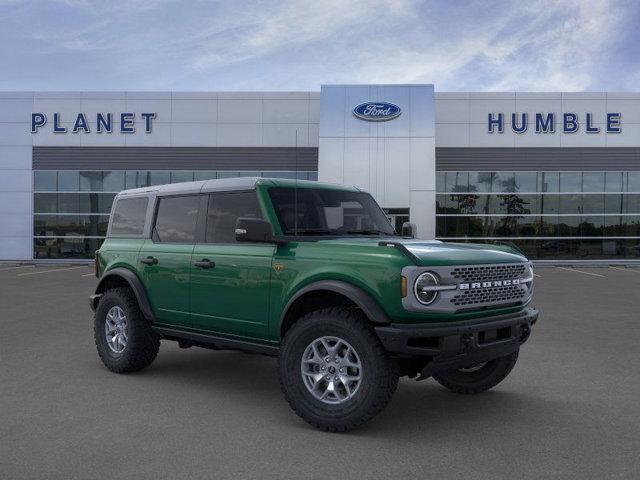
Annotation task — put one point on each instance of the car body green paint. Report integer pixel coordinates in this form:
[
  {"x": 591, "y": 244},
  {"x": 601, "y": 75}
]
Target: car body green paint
[{"x": 244, "y": 296}]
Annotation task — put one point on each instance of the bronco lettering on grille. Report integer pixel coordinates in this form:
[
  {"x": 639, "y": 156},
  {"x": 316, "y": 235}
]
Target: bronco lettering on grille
[{"x": 494, "y": 283}]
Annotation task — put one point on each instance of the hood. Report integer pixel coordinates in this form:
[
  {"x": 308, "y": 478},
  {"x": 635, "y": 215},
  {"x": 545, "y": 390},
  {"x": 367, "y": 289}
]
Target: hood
[{"x": 435, "y": 252}]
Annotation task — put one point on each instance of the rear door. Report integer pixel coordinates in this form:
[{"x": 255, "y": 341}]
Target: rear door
[
  {"x": 230, "y": 281},
  {"x": 165, "y": 258}
]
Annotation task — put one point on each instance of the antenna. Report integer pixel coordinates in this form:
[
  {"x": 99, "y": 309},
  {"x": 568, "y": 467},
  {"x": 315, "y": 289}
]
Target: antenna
[{"x": 295, "y": 192}]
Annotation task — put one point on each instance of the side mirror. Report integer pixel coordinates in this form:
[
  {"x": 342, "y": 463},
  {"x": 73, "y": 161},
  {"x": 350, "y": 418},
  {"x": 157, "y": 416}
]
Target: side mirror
[
  {"x": 409, "y": 230},
  {"x": 253, "y": 230}
]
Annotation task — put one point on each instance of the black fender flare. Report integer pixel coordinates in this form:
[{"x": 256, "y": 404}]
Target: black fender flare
[
  {"x": 134, "y": 283},
  {"x": 362, "y": 299}
]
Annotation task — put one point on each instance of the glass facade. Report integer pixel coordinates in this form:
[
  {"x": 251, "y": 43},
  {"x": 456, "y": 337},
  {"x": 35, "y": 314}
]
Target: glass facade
[
  {"x": 549, "y": 215},
  {"x": 71, "y": 208}
]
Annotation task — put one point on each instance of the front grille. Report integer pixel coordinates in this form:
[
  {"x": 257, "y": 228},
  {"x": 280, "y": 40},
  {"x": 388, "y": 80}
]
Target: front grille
[
  {"x": 488, "y": 272},
  {"x": 495, "y": 295}
]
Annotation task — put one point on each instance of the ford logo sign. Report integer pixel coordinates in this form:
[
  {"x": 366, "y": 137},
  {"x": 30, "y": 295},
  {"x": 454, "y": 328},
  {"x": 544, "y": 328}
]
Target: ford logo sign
[{"x": 377, "y": 111}]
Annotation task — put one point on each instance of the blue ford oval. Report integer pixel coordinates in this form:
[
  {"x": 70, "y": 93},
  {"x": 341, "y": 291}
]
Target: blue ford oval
[{"x": 377, "y": 111}]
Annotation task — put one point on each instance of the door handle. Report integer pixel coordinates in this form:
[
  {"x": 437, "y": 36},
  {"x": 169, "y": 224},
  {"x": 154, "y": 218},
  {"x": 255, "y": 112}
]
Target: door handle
[
  {"x": 149, "y": 260},
  {"x": 204, "y": 263}
]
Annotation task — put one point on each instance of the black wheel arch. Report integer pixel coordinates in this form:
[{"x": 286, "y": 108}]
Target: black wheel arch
[
  {"x": 123, "y": 276},
  {"x": 355, "y": 295}
]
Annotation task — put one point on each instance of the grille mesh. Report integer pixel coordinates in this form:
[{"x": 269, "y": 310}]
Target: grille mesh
[
  {"x": 489, "y": 272},
  {"x": 496, "y": 295}
]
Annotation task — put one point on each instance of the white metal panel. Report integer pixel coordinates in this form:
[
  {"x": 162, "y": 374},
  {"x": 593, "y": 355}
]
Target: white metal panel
[
  {"x": 628, "y": 137},
  {"x": 15, "y": 109},
  {"x": 583, "y": 139},
  {"x": 285, "y": 111},
  {"x": 330, "y": 158},
  {"x": 194, "y": 134},
  {"x": 478, "y": 137},
  {"x": 239, "y": 135},
  {"x": 15, "y": 225},
  {"x": 159, "y": 137},
  {"x": 353, "y": 126},
  {"x": 598, "y": 107},
  {"x": 16, "y": 248},
  {"x": 314, "y": 111},
  {"x": 92, "y": 106},
  {"x": 162, "y": 109},
  {"x": 15, "y": 181},
  {"x": 531, "y": 138},
  {"x": 332, "y": 116},
  {"x": 423, "y": 164},
  {"x": 284, "y": 134},
  {"x": 16, "y": 203},
  {"x": 15, "y": 158},
  {"x": 194, "y": 111},
  {"x": 356, "y": 166},
  {"x": 452, "y": 111},
  {"x": 239, "y": 111},
  {"x": 479, "y": 109},
  {"x": 46, "y": 136},
  {"x": 68, "y": 108},
  {"x": 102, "y": 139},
  {"x": 452, "y": 134}
]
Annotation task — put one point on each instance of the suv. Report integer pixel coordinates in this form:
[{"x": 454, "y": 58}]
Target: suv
[{"x": 314, "y": 274}]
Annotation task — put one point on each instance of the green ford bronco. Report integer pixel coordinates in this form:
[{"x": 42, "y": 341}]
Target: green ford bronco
[{"x": 314, "y": 274}]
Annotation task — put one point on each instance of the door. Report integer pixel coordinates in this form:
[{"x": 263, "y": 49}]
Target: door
[
  {"x": 230, "y": 281},
  {"x": 165, "y": 258}
]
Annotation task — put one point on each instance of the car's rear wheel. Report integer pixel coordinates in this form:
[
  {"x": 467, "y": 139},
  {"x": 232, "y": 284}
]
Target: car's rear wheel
[
  {"x": 123, "y": 337},
  {"x": 333, "y": 370},
  {"x": 477, "y": 378}
]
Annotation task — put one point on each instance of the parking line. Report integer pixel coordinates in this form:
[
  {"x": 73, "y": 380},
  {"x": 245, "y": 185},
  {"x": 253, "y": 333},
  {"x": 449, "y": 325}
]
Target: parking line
[
  {"x": 49, "y": 271},
  {"x": 536, "y": 275},
  {"x": 14, "y": 268},
  {"x": 89, "y": 275},
  {"x": 580, "y": 271},
  {"x": 632, "y": 270}
]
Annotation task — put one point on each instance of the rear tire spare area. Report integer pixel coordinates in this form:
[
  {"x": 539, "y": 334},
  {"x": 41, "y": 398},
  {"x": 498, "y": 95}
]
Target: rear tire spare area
[
  {"x": 333, "y": 370},
  {"x": 123, "y": 337},
  {"x": 478, "y": 378}
]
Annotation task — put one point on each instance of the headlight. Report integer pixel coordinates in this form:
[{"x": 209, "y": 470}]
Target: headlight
[{"x": 425, "y": 288}]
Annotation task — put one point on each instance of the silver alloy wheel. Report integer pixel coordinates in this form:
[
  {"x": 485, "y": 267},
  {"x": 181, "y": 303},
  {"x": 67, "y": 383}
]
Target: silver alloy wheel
[
  {"x": 116, "y": 330},
  {"x": 331, "y": 370},
  {"x": 473, "y": 368}
]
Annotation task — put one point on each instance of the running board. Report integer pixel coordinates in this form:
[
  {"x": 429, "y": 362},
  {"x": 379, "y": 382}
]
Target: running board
[{"x": 216, "y": 341}]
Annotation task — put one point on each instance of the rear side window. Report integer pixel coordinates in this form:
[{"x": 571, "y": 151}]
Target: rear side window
[
  {"x": 176, "y": 219},
  {"x": 129, "y": 216},
  {"x": 224, "y": 209}
]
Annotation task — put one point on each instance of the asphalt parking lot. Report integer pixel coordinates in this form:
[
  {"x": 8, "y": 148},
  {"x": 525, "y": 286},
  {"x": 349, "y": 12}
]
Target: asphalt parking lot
[{"x": 570, "y": 408}]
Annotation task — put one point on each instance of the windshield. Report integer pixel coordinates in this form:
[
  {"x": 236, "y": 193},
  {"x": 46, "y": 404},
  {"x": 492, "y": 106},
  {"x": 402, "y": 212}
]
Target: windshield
[{"x": 328, "y": 212}]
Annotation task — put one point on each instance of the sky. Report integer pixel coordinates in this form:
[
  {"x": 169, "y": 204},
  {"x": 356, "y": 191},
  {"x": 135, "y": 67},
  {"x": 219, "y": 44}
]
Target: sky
[{"x": 283, "y": 45}]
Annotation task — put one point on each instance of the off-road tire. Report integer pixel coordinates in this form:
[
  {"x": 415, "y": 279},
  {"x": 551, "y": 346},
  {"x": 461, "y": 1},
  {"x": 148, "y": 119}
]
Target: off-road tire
[
  {"x": 478, "y": 381},
  {"x": 379, "y": 371},
  {"x": 142, "y": 344}
]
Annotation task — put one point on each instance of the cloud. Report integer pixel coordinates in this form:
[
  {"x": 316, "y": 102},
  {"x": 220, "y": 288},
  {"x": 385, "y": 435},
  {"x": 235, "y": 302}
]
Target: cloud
[{"x": 289, "y": 45}]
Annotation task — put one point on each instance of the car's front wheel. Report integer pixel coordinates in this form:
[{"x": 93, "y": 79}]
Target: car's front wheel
[
  {"x": 333, "y": 370},
  {"x": 123, "y": 337},
  {"x": 477, "y": 378}
]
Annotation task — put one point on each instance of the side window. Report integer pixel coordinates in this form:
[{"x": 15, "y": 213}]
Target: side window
[
  {"x": 224, "y": 209},
  {"x": 128, "y": 216},
  {"x": 176, "y": 219}
]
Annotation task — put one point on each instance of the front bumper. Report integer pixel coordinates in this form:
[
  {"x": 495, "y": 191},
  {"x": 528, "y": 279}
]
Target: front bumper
[{"x": 459, "y": 344}]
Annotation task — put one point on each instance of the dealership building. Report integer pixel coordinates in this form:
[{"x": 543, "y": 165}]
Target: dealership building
[{"x": 558, "y": 174}]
